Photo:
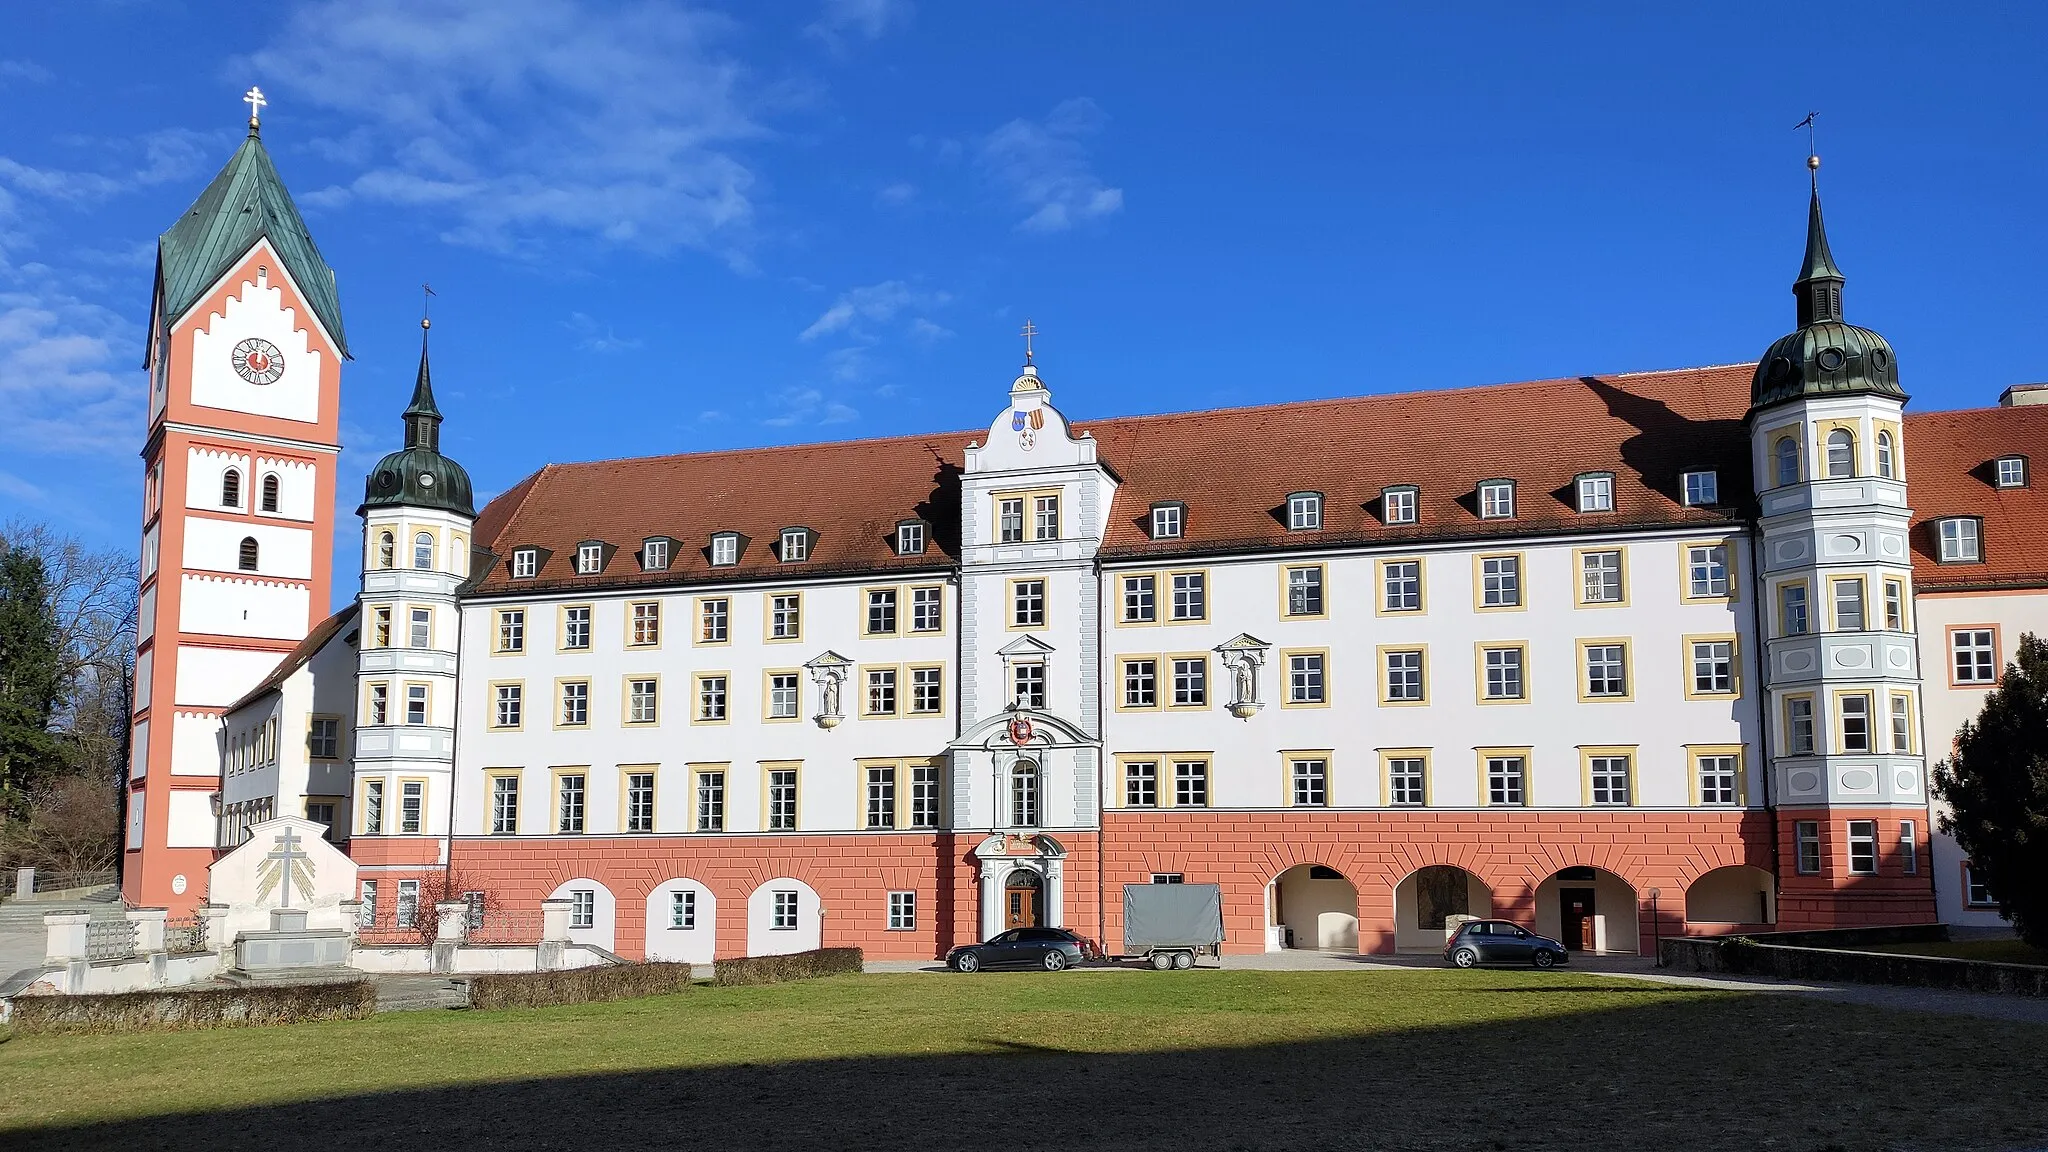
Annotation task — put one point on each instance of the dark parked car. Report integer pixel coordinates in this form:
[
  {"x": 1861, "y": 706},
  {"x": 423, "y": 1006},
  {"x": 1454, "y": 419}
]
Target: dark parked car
[
  {"x": 1499, "y": 942},
  {"x": 1052, "y": 949}
]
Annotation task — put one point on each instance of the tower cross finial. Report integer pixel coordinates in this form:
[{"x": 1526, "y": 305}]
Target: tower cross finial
[
  {"x": 1812, "y": 153},
  {"x": 254, "y": 99},
  {"x": 1029, "y": 331},
  {"x": 427, "y": 293}
]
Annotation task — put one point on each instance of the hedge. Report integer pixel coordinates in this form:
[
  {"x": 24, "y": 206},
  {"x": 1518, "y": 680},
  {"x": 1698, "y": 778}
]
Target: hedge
[
  {"x": 576, "y": 985},
  {"x": 194, "y": 1008},
  {"x": 793, "y": 966}
]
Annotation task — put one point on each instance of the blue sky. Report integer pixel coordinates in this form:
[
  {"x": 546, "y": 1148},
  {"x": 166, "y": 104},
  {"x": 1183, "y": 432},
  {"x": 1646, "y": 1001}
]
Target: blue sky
[{"x": 667, "y": 227}]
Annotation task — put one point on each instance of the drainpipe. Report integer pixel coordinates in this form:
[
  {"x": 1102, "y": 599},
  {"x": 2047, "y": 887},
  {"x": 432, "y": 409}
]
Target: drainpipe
[{"x": 1760, "y": 618}]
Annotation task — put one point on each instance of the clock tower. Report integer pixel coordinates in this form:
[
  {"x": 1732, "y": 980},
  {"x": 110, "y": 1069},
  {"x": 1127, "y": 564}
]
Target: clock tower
[{"x": 244, "y": 361}]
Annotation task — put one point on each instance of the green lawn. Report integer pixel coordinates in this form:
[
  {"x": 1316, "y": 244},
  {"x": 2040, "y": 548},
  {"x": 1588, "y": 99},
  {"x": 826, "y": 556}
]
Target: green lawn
[
  {"x": 1996, "y": 951},
  {"x": 1211, "y": 1060}
]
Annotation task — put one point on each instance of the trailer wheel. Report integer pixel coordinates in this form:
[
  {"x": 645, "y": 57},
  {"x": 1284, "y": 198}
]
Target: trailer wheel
[
  {"x": 1183, "y": 960},
  {"x": 1161, "y": 961}
]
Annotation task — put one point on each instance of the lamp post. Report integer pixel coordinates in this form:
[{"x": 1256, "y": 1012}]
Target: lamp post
[{"x": 1656, "y": 930}]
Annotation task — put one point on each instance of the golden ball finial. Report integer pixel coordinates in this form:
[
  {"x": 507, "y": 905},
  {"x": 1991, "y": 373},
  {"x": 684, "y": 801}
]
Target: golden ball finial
[
  {"x": 426, "y": 323},
  {"x": 1813, "y": 163}
]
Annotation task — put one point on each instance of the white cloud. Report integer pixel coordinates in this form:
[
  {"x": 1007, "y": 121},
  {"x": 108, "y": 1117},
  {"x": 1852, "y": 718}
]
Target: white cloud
[
  {"x": 511, "y": 121},
  {"x": 173, "y": 154},
  {"x": 595, "y": 337},
  {"x": 866, "y": 19},
  {"x": 67, "y": 377},
  {"x": 27, "y": 71},
  {"x": 897, "y": 194},
  {"x": 800, "y": 405},
  {"x": 874, "y": 303},
  {"x": 1044, "y": 167},
  {"x": 925, "y": 332}
]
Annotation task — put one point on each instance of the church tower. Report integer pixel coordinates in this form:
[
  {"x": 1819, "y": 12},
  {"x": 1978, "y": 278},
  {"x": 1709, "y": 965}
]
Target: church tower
[
  {"x": 1848, "y": 772},
  {"x": 417, "y": 515},
  {"x": 244, "y": 361}
]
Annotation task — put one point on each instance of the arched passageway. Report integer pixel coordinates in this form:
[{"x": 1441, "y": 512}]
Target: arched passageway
[
  {"x": 1589, "y": 910},
  {"x": 1313, "y": 906},
  {"x": 1427, "y": 897},
  {"x": 1736, "y": 894}
]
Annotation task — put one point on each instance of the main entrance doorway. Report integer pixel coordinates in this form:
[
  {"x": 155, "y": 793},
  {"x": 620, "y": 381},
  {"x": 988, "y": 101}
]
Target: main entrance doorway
[
  {"x": 1575, "y": 910},
  {"x": 1024, "y": 899}
]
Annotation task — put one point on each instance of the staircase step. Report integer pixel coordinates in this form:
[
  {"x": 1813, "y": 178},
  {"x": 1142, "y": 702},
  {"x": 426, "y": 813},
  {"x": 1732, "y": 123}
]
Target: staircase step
[{"x": 271, "y": 977}]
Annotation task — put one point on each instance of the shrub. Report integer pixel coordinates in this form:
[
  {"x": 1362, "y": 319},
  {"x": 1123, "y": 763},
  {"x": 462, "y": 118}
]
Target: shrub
[
  {"x": 794, "y": 966},
  {"x": 576, "y": 985},
  {"x": 194, "y": 1008}
]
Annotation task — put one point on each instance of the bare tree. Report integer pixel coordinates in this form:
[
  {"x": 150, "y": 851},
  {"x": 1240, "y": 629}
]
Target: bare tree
[
  {"x": 93, "y": 596},
  {"x": 71, "y": 826}
]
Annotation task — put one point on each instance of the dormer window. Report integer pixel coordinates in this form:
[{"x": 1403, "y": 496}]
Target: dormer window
[
  {"x": 1169, "y": 521},
  {"x": 1398, "y": 505},
  {"x": 2010, "y": 471},
  {"x": 796, "y": 545},
  {"x": 654, "y": 554},
  {"x": 725, "y": 549},
  {"x": 1497, "y": 500},
  {"x": 525, "y": 562},
  {"x": 1596, "y": 492},
  {"x": 1959, "y": 539},
  {"x": 589, "y": 559},
  {"x": 1702, "y": 489},
  {"x": 1305, "y": 512},
  {"x": 910, "y": 538}
]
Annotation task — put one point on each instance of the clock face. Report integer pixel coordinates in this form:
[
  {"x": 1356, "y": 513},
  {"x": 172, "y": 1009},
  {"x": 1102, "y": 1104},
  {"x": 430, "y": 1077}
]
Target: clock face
[{"x": 258, "y": 361}]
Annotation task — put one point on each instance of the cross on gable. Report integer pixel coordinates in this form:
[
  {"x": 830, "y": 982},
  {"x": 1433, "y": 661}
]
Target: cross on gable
[{"x": 254, "y": 99}]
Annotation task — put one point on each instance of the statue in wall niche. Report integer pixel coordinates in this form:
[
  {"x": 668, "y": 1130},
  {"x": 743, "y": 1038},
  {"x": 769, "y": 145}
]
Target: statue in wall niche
[
  {"x": 828, "y": 695},
  {"x": 1247, "y": 682}
]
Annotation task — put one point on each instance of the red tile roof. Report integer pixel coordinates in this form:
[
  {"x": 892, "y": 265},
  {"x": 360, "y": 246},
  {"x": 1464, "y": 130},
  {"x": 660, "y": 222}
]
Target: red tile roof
[
  {"x": 1948, "y": 463},
  {"x": 296, "y": 659}
]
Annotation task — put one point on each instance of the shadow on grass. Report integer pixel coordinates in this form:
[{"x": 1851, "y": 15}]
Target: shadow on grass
[{"x": 1691, "y": 1072}]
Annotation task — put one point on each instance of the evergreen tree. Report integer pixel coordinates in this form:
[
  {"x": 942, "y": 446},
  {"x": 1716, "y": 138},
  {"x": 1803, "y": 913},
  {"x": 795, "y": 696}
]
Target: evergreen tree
[
  {"x": 31, "y": 678},
  {"x": 1996, "y": 787}
]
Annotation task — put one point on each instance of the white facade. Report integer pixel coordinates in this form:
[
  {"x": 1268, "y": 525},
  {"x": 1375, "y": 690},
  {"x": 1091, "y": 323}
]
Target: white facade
[{"x": 258, "y": 311}]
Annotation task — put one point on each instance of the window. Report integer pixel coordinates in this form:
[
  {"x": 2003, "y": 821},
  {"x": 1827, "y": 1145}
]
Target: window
[
  {"x": 423, "y": 551},
  {"x": 1191, "y": 783},
  {"x": 1401, "y": 586},
  {"x": 924, "y": 796},
  {"x": 784, "y": 695},
  {"x": 408, "y": 903},
  {"x": 1305, "y": 511},
  {"x": 1024, "y": 795},
  {"x": 1503, "y": 671},
  {"x": 509, "y": 712},
  {"x": 1406, "y": 779},
  {"x": 1608, "y": 779},
  {"x": 1885, "y": 464},
  {"x": 1311, "y": 784},
  {"x": 525, "y": 563},
  {"x": 640, "y": 802},
  {"x": 512, "y": 630},
  {"x": 270, "y": 493},
  {"x": 575, "y": 703},
  {"x": 783, "y": 918},
  {"x": 1863, "y": 847},
  {"x": 785, "y": 617},
  {"x": 1909, "y": 847},
  {"x": 1702, "y": 489},
  {"x": 1706, "y": 571},
  {"x": 1500, "y": 581},
  {"x": 654, "y": 555},
  {"x": 926, "y": 605},
  {"x": 1010, "y": 520},
  {"x": 569, "y": 802},
  {"x": 1027, "y": 684},
  {"x": 643, "y": 701},
  {"x": 1895, "y": 605},
  {"x": 1190, "y": 596},
  {"x": 1848, "y": 604},
  {"x": 420, "y": 634},
  {"x": 576, "y": 628},
  {"x": 796, "y": 545},
  {"x": 881, "y": 797},
  {"x": 1785, "y": 458},
  {"x": 1606, "y": 669},
  {"x": 582, "y": 908},
  {"x": 682, "y": 910},
  {"x": 1141, "y": 683},
  {"x": 1596, "y": 492},
  {"x": 504, "y": 805},
  {"x": 1027, "y": 604},
  {"x": 2010, "y": 472},
  {"x": 1504, "y": 780},
  {"x": 1976, "y": 890},
  {"x": 927, "y": 691},
  {"x": 1600, "y": 577},
  {"x": 1713, "y": 667},
  {"x": 902, "y": 911},
  {"x": 710, "y": 801},
  {"x": 1959, "y": 538},
  {"x": 725, "y": 550},
  {"x": 245, "y": 558},
  {"x": 1141, "y": 599},
  {"x": 646, "y": 630},
  {"x": 380, "y": 704},
  {"x": 881, "y": 619},
  {"x": 1974, "y": 653},
  {"x": 1497, "y": 500},
  {"x": 910, "y": 538},
  {"x": 1397, "y": 505},
  {"x": 366, "y": 916},
  {"x": 1855, "y": 709},
  {"x": 1806, "y": 841},
  {"x": 1716, "y": 779},
  {"x": 1045, "y": 517},
  {"x": 1167, "y": 520},
  {"x": 782, "y": 800},
  {"x": 412, "y": 804},
  {"x": 323, "y": 738},
  {"x": 1799, "y": 726},
  {"x": 1305, "y": 590},
  {"x": 387, "y": 549},
  {"x": 231, "y": 489},
  {"x": 373, "y": 807},
  {"x": 1190, "y": 682},
  {"x": 1792, "y": 609},
  {"x": 415, "y": 703},
  {"x": 1141, "y": 784},
  {"x": 881, "y": 693},
  {"x": 1404, "y": 683},
  {"x": 714, "y": 620},
  {"x": 1841, "y": 454},
  {"x": 1305, "y": 679}
]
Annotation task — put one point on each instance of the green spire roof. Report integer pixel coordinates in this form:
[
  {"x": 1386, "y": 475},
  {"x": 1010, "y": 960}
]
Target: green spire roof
[
  {"x": 245, "y": 203},
  {"x": 1826, "y": 355},
  {"x": 417, "y": 475},
  {"x": 423, "y": 416},
  {"x": 1820, "y": 262}
]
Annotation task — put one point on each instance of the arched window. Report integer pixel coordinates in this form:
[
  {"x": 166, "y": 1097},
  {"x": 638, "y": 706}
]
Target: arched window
[
  {"x": 247, "y": 561},
  {"x": 1024, "y": 795},
  {"x": 231, "y": 489},
  {"x": 1786, "y": 453},
  {"x": 423, "y": 550},
  {"x": 387, "y": 549},
  {"x": 1841, "y": 454},
  {"x": 270, "y": 492},
  {"x": 1884, "y": 455}
]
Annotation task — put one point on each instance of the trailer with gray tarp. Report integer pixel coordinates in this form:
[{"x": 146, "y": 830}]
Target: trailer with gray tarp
[{"x": 1168, "y": 925}]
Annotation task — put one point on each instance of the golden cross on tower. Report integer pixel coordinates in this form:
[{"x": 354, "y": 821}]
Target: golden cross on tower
[
  {"x": 254, "y": 99},
  {"x": 1029, "y": 331}
]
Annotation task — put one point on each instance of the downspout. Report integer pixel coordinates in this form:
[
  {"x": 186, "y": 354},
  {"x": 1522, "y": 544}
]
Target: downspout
[
  {"x": 1102, "y": 767},
  {"x": 1760, "y": 617}
]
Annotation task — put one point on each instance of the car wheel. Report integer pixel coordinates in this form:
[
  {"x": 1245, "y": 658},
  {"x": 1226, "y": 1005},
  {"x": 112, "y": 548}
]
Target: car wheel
[
  {"x": 967, "y": 962},
  {"x": 1465, "y": 958},
  {"x": 1183, "y": 960},
  {"x": 1161, "y": 961},
  {"x": 1544, "y": 958},
  {"x": 1055, "y": 960}
]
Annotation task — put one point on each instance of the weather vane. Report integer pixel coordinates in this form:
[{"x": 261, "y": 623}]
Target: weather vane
[
  {"x": 254, "y": 99},
  {"x": 1030, "y": 330},
  {"x": 427, "y": 293},
  {"x": 1812, "y": 153}
]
